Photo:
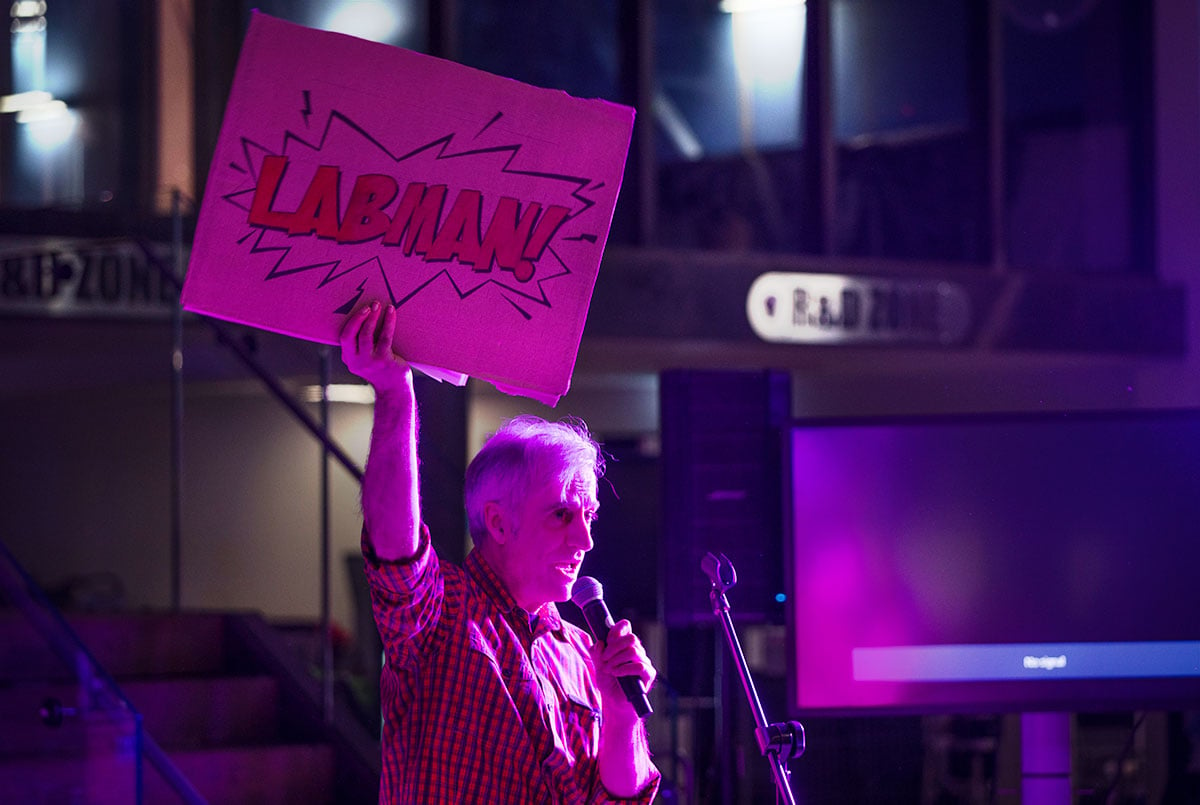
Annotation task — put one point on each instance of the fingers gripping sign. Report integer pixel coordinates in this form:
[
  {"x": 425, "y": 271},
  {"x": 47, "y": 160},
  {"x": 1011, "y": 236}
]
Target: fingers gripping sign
[{"x": 366, "y": 341}]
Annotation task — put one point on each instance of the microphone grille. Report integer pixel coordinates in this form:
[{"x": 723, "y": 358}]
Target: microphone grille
[{"x": 585, "y": 591}]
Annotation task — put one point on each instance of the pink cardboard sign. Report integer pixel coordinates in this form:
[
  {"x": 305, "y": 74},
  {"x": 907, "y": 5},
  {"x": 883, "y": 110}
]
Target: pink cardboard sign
[{"x": 349, "y": 171}]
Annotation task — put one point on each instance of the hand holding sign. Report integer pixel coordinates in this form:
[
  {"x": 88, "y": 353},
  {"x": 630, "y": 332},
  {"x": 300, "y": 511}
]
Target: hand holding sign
[{"x": 366, "y": 341}]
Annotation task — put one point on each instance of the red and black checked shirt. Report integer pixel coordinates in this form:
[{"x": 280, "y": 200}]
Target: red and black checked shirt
[{"x": 480, "y": 705}]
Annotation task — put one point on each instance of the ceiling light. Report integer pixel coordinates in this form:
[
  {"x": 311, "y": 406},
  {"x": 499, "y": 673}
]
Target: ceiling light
[
  {"x": 26, "y": 9},
  {"x": 741, "y": 6},
  {"x": 341, "y": 392},
  {"x": 24, "y": 100},
  {"x": 366, "y": 19},
  {"x": 49, "y": 110}
]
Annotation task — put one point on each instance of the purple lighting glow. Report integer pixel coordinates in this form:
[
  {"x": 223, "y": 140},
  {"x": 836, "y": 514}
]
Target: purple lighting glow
[{"x": 995, "y": 563}]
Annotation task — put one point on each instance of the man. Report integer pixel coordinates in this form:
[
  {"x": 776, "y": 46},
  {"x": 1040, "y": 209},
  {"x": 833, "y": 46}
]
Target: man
[{"x": 488, "y": 695}]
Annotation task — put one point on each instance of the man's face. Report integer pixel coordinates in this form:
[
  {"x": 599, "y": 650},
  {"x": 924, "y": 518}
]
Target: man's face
[{"x": 553, "y": 532}]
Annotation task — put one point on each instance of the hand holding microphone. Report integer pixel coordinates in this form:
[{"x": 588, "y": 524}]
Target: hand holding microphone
[{"x": 588, "y": 595}]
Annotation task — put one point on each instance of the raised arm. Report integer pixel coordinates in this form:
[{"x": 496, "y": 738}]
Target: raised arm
[{"x": 390, "y": 498}]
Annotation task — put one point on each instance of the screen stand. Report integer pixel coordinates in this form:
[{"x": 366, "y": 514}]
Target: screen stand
[{"x": 1045, "y": 758}]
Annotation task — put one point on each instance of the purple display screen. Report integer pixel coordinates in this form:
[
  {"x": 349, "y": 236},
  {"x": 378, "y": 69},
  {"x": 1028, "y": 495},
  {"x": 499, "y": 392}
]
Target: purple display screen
[{"x": 995, "y": 563}]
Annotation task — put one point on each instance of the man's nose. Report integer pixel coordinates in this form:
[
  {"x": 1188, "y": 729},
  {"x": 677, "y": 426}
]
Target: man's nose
[{"x": 580, "y": 534}]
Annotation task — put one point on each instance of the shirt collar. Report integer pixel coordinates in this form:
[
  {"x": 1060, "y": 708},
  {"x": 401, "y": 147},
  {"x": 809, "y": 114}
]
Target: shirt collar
[{"x": 547, "y": 618}]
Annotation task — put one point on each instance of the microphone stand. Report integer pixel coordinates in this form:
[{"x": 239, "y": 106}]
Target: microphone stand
[{"x": 779, "y": 742}]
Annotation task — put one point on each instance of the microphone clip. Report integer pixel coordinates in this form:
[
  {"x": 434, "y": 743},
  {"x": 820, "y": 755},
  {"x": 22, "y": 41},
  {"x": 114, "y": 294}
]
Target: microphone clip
[{"x": 723, "y": 575}]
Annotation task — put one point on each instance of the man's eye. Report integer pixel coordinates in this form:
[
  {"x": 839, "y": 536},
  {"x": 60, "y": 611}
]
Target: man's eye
[{"x": 568, "y": 515}]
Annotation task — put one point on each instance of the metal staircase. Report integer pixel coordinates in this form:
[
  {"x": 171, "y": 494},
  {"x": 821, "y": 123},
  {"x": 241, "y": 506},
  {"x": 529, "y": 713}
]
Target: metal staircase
[{"x": 219, "y": 699}]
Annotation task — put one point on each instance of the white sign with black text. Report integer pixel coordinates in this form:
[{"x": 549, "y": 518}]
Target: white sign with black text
[{"x": 833, "y": 308}]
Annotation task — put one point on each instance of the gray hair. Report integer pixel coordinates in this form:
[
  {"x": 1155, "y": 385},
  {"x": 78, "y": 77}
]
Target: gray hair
[{"x": 527, "y": 451}]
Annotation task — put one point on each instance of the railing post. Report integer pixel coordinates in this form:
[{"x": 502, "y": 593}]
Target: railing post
[
  {"x": 326, "y": 632},
  {"x": 176, "y": 403}
]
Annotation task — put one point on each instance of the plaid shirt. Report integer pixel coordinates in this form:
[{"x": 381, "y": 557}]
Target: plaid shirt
[{"x": 482, "y": 703}]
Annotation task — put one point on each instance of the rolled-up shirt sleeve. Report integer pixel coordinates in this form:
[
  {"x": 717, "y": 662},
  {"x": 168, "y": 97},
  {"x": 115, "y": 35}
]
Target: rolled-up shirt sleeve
[{"x": 406, "y": 597}]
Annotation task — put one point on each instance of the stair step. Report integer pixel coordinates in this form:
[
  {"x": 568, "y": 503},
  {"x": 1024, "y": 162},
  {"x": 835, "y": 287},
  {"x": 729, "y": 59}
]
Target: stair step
[
  {"x": 197, "y": 713},
  {"x": 298, "y": 774},
  {"x": 214, "y": 690},
  {"x": 159, "y": 643},
  {"x": 90, "y": 760},
  {"x": 179, "y": 713},
  {"x": 23, "y": 733},
  {"x": 125, "y": 645},
  {"x": 184, "y": 713}
]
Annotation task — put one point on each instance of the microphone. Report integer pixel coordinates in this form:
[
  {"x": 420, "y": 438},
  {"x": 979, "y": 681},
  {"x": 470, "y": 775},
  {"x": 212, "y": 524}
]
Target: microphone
[{"x": 588, "y": 595}]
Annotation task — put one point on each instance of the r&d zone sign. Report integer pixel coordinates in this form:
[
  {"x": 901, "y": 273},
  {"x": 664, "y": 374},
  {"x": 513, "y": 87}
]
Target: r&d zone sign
[
  {"x": 831, "y": 308},
  {"x": 103, "y": 278}
]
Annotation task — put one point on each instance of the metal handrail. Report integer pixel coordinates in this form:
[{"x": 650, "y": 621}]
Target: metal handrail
[
  {"x": 227, "y": 339},
  {"x": 98, "y": 686}
]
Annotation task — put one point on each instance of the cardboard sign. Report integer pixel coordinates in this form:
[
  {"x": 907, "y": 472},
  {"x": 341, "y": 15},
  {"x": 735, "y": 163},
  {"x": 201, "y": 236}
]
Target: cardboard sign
[{"x": 349, "y": 171}]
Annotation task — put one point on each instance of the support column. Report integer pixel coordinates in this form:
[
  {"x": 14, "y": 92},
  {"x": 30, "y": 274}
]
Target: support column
[{"x": 1045, "y": 758}]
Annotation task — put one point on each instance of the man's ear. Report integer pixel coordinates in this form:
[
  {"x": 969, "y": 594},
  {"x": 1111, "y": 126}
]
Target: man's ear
[{"x": 496, "y": 519}]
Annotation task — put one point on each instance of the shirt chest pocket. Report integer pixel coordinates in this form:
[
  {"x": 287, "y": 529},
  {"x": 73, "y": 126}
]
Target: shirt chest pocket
[
  {"x": 496, "y": 662},
  {"x": 580, "y": 715}
]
